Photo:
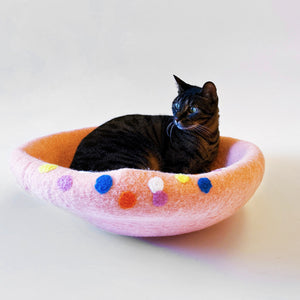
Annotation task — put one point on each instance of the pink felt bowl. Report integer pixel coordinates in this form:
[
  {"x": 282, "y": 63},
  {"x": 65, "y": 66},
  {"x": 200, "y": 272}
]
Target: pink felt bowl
[{"x": 139, "y": 202}]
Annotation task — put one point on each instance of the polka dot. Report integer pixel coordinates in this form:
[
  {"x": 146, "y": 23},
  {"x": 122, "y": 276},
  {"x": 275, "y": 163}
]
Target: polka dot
[
  {"x": 103, "y": 184},
  {"x": 204, "y": 185},
  {"x": 45, "y": 168},
  {"x": 182, "y": 178},
  {"x": 65, "y": 183},
  {"x": 127, "y": 200},
  {"x": 160, "y": 198},
  {"x": 156, "y": 184}
]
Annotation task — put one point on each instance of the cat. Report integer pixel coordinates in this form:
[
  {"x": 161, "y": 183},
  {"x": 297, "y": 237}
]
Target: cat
[{"x": 186, "y": 142}]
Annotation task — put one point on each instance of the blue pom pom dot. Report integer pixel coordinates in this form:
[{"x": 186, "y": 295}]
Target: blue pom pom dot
[
  {"x": 103, "y": 184},
  {"x": 204, "y": 185}
]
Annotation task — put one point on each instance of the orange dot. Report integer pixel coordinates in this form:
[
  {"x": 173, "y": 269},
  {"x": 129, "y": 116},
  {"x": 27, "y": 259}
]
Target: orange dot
[{"x": 127, "y": 200}]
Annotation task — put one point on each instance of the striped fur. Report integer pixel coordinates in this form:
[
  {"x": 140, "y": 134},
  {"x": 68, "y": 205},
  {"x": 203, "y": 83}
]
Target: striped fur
[{"x": 186, "y": 142}]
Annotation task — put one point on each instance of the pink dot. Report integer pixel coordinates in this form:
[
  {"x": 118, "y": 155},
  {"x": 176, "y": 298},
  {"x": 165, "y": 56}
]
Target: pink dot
[
  {"x": 160, "y": 198},
  {"x": 65, "y": 182}
]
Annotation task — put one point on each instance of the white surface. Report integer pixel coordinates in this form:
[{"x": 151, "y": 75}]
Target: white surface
[{"x": 72, "y": 64}]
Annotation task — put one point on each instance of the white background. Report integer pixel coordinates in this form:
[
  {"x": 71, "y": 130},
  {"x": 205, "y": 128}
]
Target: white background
[{"x": 72, "y": 64}]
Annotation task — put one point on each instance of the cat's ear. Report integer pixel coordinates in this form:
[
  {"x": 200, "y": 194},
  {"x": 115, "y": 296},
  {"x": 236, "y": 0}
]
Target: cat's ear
[
  {"x": 209, "y": 91},
  {"x": 182, "y": 86}
]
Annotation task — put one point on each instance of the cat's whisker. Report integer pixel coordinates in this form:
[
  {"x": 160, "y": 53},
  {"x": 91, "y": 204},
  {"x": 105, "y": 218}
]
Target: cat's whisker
[
  {"x": 206, "y": 130},
  {"x": 170, "y": 130},
  {"x": 207, "y": 133},
  {"x": 203, "y": 130}
]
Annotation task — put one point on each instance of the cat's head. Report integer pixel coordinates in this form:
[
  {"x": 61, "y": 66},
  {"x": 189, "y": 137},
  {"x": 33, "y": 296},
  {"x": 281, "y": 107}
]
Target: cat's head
[{"x": 194, "y": 106}]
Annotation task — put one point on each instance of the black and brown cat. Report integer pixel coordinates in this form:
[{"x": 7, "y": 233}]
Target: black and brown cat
[{"x": 186, "y": 142}]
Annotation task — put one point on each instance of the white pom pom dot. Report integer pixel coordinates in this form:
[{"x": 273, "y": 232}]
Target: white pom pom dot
[{"x": 156, "y": 184}]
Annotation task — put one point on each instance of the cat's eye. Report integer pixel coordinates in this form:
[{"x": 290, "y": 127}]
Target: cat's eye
[
  {"x": 177, "y": 105},
  {"x": 193, "y": 110}
]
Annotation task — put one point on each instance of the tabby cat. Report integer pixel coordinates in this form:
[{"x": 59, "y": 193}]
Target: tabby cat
[{"x": 186, "y": 142}]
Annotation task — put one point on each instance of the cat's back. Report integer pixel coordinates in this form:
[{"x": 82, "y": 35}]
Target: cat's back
[
  {"x": 126, "y": 141},
  {"x": 136, "y": 124}
]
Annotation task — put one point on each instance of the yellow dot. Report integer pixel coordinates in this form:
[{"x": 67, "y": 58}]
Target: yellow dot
[
  {"x": 47, "y": 168},
  {"x": 182, "y": 178}
]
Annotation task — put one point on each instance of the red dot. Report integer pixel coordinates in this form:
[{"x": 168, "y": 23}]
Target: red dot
[{"x": 127, "y": 200}]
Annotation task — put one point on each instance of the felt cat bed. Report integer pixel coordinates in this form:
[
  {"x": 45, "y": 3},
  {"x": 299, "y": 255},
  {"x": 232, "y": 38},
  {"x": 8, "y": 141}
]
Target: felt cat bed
[{"x": 139, "y": 202}]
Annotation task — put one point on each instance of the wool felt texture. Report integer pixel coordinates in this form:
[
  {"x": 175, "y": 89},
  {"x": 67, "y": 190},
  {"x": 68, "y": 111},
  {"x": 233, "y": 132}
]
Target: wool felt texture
[{"x": 139, "y": 202}]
